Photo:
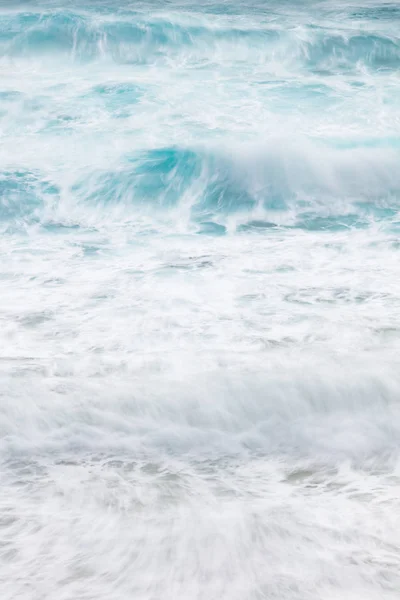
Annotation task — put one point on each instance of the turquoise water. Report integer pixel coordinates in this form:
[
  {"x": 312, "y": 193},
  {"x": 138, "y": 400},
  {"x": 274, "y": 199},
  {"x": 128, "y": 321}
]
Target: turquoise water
[{"x": 200, "y": 300}]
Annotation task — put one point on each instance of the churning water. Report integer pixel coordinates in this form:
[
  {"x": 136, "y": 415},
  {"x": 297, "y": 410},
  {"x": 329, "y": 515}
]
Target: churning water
[{"x": 200, "y": 300}]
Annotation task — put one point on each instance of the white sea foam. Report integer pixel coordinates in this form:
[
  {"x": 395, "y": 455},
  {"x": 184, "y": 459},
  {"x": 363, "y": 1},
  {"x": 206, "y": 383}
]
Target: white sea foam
[{"x": 200, "y": 307}]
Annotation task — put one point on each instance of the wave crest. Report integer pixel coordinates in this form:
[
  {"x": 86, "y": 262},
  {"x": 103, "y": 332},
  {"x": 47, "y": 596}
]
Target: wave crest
[{"x": 304, "y": 185}]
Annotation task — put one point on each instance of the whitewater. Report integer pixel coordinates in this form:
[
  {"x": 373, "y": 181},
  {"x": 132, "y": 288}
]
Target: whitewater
[{"x": 199, "y": 300}]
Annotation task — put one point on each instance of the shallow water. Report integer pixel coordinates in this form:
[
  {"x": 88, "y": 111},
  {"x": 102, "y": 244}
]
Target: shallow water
[{"x": 200, "y": 300}]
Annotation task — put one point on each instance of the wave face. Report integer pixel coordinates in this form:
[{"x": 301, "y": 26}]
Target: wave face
[{"x": 200, "y": 307}]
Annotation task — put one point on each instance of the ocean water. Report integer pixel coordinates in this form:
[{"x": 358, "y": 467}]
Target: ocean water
[{"x": 200, "y": 300}]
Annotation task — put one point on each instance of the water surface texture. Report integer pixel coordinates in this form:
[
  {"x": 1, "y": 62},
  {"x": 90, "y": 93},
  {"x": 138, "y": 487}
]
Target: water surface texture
[{"x": 200, "y": 300}]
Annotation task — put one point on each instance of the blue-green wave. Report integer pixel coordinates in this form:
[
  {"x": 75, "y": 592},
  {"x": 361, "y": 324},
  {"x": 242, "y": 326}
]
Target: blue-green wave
[
  {"x": 137, "y": 39},
  {"x": 270, "y": 190}
]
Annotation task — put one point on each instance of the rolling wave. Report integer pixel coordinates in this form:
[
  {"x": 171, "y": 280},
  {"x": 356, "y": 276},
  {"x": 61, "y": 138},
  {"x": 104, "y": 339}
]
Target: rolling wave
[
  {"x": 274, "y": 414},
  {"x": 308, "y": 185},
  {"x": 137, "y": 39}
]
